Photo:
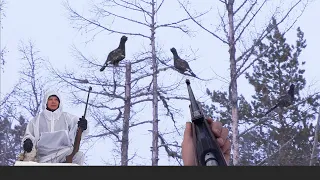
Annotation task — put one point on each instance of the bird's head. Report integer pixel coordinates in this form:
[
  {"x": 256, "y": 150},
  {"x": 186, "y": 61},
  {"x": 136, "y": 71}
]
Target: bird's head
[
  {"x": 291, "y": 91},
  {"x": 292, "y": 86},
  {"x": 124, "y": 38},
  {"x": 173, "y": 50}
]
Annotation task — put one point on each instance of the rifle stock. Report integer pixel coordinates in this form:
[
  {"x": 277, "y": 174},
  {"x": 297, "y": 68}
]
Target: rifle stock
[{"x": 76, "y": 146}]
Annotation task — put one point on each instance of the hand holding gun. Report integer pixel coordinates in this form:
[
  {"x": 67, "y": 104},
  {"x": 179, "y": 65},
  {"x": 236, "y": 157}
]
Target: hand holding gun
[{"x": 207, "y": 149}]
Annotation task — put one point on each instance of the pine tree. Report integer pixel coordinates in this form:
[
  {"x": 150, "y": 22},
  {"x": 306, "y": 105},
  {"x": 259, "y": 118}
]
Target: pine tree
[
  {"x": 286, "y": 133},
  {"x": 11, "y": 139},
  {"x": 285, "y": 136}
]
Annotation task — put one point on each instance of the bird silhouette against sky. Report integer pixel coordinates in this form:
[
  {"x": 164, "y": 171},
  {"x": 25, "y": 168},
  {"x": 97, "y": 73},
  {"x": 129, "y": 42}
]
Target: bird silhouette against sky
[
  {"x": 180, "y": 64},
  {"x": 284, "y": 100},
  {"x": 117, "y": 55}
]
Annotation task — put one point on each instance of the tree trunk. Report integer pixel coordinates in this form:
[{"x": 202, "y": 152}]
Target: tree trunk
[
  {"x": 281, "y": 157},
  {"x": 314, "y": 154},
  {"x": 233, "y": 91},
  {"x": 155, "y": 149},
  {"x": 126, "y": 118}
]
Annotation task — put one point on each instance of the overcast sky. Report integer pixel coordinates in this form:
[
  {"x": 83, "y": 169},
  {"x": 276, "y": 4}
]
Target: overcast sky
[{"x": 47, "y": 25}]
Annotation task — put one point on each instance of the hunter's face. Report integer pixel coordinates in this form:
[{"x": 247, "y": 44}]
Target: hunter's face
[{"x": 53, "y": 103}]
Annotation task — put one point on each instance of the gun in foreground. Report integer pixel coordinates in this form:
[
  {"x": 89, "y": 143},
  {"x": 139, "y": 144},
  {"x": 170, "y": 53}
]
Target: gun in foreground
[{"x": 208, "y": 152}]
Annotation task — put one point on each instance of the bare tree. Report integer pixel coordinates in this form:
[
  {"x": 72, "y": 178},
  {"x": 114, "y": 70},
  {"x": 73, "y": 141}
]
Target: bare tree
[
  {"x": 237, "y": 25},
  {"x": 21, "y": 103},
  {"x": 145, "y": 84},
  {"x": 32, "y": 83},
  {"x": 26, "y": 95}
]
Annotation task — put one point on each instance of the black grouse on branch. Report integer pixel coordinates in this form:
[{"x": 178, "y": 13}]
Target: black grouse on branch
[
  {"x": 180, "y": 64},
  {"x": 285, "y": 100},
  {"x": 117, "y": 55}
]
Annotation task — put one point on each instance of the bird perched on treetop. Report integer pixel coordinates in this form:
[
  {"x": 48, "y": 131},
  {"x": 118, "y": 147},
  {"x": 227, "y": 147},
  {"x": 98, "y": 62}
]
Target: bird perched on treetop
[
  {"x": 180, "y": 64},
  {"x": 285, "y": 100},
  {"x": 117, "y": 55}
]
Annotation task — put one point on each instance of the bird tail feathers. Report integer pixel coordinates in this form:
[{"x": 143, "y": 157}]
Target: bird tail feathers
[
  {"x": 192, "y": 74},
  {"x": 271, "y": 109},
  {"x": 103, "y": 67}
]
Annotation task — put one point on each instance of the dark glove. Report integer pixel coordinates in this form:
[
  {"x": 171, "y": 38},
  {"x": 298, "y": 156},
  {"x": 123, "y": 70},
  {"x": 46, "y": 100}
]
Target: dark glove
[
  {"x": 27, "y": 145},
  {"x": 82, "y": 123}
]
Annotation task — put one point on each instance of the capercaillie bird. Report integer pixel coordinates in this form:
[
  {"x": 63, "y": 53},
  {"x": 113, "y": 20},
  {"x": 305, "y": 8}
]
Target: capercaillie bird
[
  {"x": 284, "y": 100},
  {"x": 180, "y": 64},
  {"x": 117, "y": 55}
]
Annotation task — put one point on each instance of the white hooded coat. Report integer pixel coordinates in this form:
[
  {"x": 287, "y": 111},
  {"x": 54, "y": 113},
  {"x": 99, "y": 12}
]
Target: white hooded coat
[{"x": 52, "y": 133}]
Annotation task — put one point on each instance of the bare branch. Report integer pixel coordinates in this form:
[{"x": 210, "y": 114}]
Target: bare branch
[
  {"x": 241, "y": 70},
  {"x": 117, "y": 131},
  {"x": 159, "y": 6},
  {"x": 236, "y": 11},
  {"x": 193, "y": 19},
  {"x": 247, "y": 13},
  {"x": 253, "y": 16},
  {"x": 170, "y": 152},
  {"x": 165, "y": 104},
  {"x": 180, "y": 21},
  {"x": 121, "y": 17},
  {"x": 75, "y": 16},
  {"x": 137, "y": 6},
  {"x": 296, "y": 19},
  {"x": 223, "y": 24}
]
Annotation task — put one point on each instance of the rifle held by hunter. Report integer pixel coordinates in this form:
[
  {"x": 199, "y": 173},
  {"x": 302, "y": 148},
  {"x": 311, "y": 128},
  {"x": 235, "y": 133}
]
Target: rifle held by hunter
[
  {"x": 208, "y": 152},
  {"x": 77, "y": 139}
]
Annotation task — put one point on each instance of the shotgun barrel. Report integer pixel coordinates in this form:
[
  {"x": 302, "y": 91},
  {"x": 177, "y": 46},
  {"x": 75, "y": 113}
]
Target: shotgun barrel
[{"x": 208, "y": 152}]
